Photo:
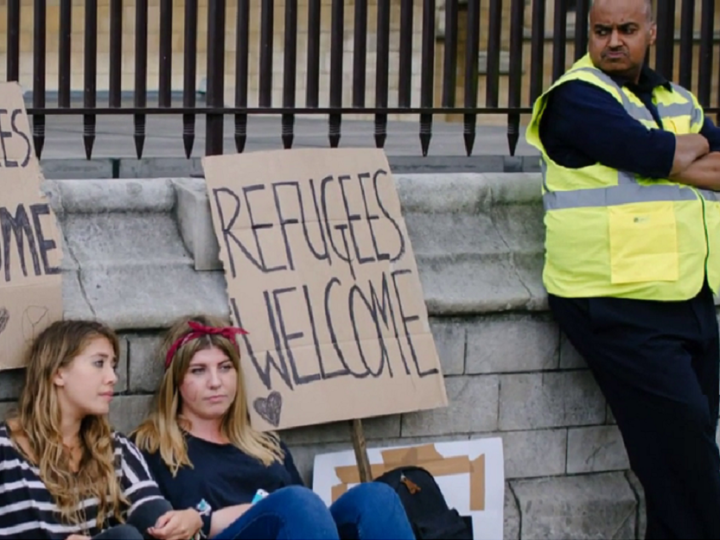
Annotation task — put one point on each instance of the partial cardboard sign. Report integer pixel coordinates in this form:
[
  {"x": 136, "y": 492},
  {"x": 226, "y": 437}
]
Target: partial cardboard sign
[
  {"x": 30, "y": 249},
  {"x": 470, "y": 475},
  {"x": 322, "y": 275}
]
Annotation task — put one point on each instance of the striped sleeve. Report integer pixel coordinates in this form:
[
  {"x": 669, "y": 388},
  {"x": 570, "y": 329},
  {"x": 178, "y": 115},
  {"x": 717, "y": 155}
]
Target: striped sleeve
[{"x": 138, "y": 484}]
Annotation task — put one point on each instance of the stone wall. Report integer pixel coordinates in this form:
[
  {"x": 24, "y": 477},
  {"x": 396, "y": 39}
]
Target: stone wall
[{"x": 139, "y": 253}]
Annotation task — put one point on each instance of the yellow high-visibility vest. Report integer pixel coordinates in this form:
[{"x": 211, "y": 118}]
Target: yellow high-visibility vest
[{"x": 614, "y": 233}]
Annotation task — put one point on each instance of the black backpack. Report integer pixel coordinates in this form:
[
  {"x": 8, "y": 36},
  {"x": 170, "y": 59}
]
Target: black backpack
[{"x": 425, "y": 505}]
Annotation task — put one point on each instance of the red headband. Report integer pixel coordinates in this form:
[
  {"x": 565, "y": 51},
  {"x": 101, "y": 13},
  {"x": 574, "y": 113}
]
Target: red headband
[{"x": 200, "y": 330}]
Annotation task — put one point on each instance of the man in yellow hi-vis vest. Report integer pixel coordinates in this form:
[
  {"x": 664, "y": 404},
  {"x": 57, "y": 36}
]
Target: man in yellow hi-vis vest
[{"x": 631, "y": 168}]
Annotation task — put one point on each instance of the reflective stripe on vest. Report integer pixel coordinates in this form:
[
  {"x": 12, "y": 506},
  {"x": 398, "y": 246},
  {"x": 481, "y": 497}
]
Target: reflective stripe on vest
[
  {"x": 627, "y": 191},
  {"x": 616, "y": 195}
]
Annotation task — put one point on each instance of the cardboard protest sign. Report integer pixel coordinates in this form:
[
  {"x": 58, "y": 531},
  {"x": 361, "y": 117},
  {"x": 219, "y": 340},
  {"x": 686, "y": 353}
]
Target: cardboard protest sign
[
  {"x": 30, "y": 250},
  {"x": 322, "y": 275},
  {"x": 470, "y": 474}
]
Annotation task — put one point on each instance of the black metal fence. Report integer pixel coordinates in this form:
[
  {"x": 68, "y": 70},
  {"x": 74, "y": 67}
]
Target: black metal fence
[{"x": 438, "y": 79}]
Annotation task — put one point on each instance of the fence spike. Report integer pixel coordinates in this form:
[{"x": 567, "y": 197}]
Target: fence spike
[
  {"x": 240, "y": 132},
  {"x": 188, "y": 134},
  {"x": 139, "y": 134},
  {"x": 469, "y": 132},
  {"x": 425, "y": 133},
  {"x": 288, "y": 130}
]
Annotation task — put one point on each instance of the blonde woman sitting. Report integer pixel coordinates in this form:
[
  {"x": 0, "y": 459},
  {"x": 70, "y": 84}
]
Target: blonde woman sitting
[
  {"x": 204, "y": 453},
  {"x": 64, "y": 474}
]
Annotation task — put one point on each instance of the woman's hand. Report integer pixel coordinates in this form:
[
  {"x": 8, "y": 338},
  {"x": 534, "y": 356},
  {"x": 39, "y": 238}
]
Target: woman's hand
[{"x": 177, "y": 525}]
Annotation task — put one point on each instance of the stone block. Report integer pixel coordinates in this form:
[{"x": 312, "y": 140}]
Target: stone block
[
  {"x": 402, "y": 165},
  {"x": 544, "y": 400},
  {"x": 458, "y": 233},
  {"x": 66, "y": 169},
  {"x": 159, "y": 167},
  {"x": 512, "y": 164},
  {"x": 11, "y": 382},
  {"x": 569, "y": 357},
  {"x": 472, "y": 408},
  {"x": 520, "y": 226},
  {"x": 578, "y": 507},
  {"x": 99, "y": 196},
  {"x": 450, "y": 339},
  {"x": 145, "y": 368},
  {"x": 511, "y": 343},
  {"x": 453, "y": 286},
  {"x": 531, "y": 164},
  {"x": 75, "y": 304},
  {"x": 530, "y": 454},
  {"x": 194, "y": 220},
  {"x": 511, "y": 515},
  {"x": 137, "y": 297},
  {"x": 124, "y": 239},
  {"x": 384, "y": 427},
  {"x": 126, "y": 412},
  {"x": 596, "y": 449}
]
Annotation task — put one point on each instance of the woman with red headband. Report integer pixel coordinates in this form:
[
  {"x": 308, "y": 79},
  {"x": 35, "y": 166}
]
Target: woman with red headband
[{"x": 204, "y": 453}]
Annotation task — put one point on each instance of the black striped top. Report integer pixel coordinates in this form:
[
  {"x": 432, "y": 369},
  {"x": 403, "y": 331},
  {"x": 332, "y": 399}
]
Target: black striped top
[{"x": 27, "y": 509}]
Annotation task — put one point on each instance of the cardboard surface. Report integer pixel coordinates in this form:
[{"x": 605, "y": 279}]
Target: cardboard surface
[
  {"x": 470, "y": 474},
  {"x": 30, "y": 249},
  {"x": 322, "y": 275}
]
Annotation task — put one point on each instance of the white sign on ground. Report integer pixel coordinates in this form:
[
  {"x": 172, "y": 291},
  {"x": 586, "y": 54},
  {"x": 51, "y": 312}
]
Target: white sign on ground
[{"x": 470, "y": 474}]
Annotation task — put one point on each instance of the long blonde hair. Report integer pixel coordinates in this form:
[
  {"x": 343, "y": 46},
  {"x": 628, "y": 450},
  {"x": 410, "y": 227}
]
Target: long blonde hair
[
  {"x": 37, "y": 420},
  {"x": 163, "y": 429}
]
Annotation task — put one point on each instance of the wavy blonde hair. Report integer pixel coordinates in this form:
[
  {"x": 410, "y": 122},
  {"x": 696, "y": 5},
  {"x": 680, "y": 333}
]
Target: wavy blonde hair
[
  {"x": 37, "y": 420},
  {"x": 163, "y": 429}
]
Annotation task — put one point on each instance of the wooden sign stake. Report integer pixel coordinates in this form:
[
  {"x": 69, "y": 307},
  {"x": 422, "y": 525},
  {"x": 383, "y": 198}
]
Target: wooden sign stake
[{"x": 361, "y": 455}]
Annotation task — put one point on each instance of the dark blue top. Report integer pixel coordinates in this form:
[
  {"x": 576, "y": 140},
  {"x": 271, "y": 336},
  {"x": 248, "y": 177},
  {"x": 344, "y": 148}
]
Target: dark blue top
[
  {"x": 583, "y": 125},
  {"x": 222, "y": 476}
]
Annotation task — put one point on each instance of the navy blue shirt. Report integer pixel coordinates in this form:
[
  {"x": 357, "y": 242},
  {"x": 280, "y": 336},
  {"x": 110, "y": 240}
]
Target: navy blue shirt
[
  {"x": 222, "y": 475},
  {"x": 583, "y": 125}
]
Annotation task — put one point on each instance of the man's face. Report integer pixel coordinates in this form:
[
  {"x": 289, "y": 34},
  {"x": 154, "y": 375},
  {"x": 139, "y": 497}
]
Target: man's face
[{"x": 620, "y": 33}]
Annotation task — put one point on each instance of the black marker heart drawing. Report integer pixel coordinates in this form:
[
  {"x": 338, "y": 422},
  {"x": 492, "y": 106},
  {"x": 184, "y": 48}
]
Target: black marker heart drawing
[
  {"x": 269, "y": 408},
  {"x": 4, "y": 318}
]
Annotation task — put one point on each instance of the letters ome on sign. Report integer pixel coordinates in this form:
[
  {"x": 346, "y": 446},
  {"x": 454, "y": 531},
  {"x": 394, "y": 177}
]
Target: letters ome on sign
[
  {"x": 321, "y": 273},
  {"x": 30, "y": 279}
]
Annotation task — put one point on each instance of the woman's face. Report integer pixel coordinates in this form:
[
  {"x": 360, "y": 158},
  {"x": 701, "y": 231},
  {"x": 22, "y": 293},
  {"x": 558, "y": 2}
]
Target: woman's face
[
  {"x": 85, "y": 386},
  {"x": 209, "y": 387}
]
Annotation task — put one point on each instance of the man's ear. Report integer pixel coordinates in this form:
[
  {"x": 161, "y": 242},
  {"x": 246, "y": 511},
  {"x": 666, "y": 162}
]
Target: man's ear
[{"x": 653, "y": 33}]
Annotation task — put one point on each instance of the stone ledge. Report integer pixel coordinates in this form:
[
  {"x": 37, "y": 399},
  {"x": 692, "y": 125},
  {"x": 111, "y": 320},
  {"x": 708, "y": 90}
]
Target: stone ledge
[
  {"x": 577, "y": 507},
  {"x": 131, "y": 246}
]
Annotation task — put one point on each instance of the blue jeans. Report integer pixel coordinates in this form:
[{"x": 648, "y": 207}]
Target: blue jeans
[{"x": 366, "y": 512}]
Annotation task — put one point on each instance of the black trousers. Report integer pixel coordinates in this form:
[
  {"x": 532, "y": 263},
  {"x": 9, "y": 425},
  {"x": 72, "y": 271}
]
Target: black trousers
[{"x": 657, "y": 365}]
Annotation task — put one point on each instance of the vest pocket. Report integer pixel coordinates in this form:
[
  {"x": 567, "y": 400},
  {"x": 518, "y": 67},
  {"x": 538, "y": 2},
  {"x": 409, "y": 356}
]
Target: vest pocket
[{"x": 643, "y": 243}]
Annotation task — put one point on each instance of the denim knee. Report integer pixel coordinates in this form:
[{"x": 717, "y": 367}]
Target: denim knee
[
  {"x": 373, "y": 495},
  {"x": 371, "y": 511},
  {"x": 298, "y": 496}
]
